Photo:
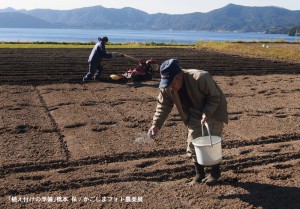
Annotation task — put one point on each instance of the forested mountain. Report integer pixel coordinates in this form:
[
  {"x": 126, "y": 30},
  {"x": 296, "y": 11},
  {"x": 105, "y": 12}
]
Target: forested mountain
[{"x": 229, "y": 18}]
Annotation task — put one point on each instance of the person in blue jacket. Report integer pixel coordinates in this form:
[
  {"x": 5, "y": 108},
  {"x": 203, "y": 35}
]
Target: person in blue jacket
[{"x": 97, "y": 54}]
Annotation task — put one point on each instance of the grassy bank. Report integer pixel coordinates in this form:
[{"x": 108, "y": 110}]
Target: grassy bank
[
  {"x": 287, "y": 51},
  {"x": 278, "y": 50},
  {"x": 87, "y": 45}
]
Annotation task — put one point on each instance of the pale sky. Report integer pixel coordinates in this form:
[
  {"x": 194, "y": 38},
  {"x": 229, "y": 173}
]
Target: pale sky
[{"x": 149, "y": 6}]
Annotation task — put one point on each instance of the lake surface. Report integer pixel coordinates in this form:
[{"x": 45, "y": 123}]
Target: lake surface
[{"x": 140, "y": 36}]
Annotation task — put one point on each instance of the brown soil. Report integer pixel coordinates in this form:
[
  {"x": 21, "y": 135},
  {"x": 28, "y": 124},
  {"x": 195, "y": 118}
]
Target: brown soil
[{"x": 62, "y": 140}]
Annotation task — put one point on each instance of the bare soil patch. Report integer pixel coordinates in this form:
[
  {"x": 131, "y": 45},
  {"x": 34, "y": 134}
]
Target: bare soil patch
[{"x": 65, "y": 144}]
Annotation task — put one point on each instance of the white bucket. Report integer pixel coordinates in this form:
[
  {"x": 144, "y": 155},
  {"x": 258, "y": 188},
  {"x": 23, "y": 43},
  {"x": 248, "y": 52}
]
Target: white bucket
[{"x": 208, "y": 149}]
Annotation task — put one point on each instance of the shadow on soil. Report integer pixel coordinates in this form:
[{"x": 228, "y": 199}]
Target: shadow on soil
[
  {"x": 140, "y": 84},
  {"x": 267, "y": 196}
]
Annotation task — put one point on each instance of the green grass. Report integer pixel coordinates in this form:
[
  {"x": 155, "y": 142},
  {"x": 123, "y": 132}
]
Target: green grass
[
  {"x": 87, "y": 45},
  {"x": 44, "y": 45},
  {"x": 289, "y": 51}
]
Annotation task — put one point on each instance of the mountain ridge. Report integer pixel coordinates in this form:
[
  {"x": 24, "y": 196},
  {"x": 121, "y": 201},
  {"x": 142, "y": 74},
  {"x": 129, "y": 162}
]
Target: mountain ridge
[{"x": 229, "y": 18}]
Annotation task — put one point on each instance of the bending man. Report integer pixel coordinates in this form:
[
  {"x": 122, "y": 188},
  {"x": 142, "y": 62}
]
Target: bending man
[{"x": 198, "y": 99}]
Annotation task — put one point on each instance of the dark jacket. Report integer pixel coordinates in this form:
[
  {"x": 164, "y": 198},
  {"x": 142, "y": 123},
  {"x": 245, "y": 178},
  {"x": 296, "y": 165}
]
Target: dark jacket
[{"x": 98, "y": 53}]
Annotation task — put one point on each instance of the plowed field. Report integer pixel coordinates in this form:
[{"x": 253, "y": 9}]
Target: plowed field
[{"x": 68, "y": 144}]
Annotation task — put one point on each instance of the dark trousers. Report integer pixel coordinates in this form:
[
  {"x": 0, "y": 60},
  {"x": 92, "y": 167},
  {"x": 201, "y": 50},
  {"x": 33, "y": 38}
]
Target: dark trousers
[{"x": 94, "y": 69}]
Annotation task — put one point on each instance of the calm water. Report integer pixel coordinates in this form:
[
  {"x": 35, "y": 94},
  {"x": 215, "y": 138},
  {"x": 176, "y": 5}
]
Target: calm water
[{"x": 141, "y": 36}]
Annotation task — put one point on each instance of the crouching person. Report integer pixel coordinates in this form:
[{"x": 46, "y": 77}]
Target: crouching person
[{"x": 198, "y": 100}]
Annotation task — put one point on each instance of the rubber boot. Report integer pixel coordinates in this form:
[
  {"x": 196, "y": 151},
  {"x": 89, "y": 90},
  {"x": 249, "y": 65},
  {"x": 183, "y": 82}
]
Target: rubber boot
[
  {"x": 213, "y": 176},
  {"x": 200, "y": 174}
]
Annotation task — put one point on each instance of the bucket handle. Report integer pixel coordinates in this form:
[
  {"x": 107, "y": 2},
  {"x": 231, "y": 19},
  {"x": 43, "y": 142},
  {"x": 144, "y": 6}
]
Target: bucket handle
[{"x": 208, "y": 131}]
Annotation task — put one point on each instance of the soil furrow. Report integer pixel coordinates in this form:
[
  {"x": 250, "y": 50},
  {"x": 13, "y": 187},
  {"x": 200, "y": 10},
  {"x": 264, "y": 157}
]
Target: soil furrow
[
  {"x": 64, "y": 146},
  {"x": 60, "y": 137},
  {"x": 71, "y": 64},
  {"x": 9, "y": 169},
  {"x": 159, "y": 175}
]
